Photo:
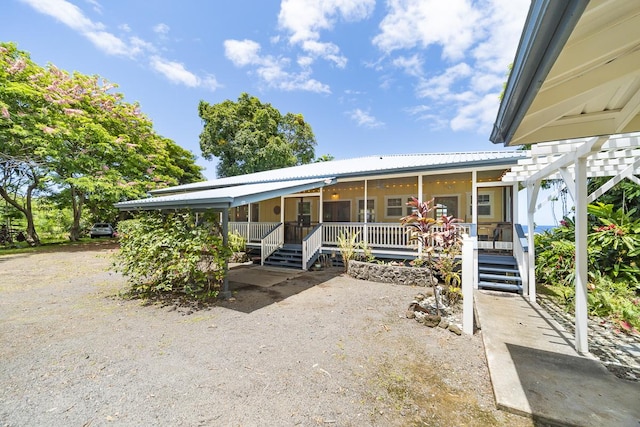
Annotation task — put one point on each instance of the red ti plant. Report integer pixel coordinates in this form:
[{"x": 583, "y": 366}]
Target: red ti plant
[
  {"x": 442, "y": 235},
  {"x": 422, "y": 227}
]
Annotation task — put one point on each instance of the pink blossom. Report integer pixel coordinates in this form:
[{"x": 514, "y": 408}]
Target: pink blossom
[
  {"x": 48, "y": 130},
  {"x": 105, "y": 168},
  {"x": 5, "y": 113},
  {"x": 17, "y": 66},
  {"x": 72, "y": 111},
  {"x": 3, "y": 49},
  {"x": 130, "y": 145}
]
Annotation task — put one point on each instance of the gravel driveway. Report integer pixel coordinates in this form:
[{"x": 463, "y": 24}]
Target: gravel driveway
[{"x": 313, "y": 349}]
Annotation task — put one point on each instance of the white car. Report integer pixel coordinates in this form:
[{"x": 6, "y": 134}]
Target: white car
[{"x": 102, "y": 229}]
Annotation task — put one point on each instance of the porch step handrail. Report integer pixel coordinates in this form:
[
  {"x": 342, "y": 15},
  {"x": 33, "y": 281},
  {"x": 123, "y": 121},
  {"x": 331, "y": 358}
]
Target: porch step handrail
[
  {"x": 271, "y": 241},
  {"x": 311, "y": 245},
  {"x": 521, "y": 254}
]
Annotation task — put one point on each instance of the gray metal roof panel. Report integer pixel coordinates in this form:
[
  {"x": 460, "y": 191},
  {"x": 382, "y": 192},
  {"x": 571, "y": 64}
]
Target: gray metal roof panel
[
  {"x": 362, "y": 166},
  {"x": 225, "y": 197}
]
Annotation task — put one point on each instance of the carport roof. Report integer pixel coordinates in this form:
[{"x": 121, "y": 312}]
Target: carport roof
[{"x": 226, "y": 197}]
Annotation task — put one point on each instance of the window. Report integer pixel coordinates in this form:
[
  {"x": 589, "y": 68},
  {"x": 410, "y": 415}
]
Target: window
[
  {"x": 396, "y": 207},
  {"x": 484, "y": 204},
  {"x": 371, "y": 210},
  {"x": 241, "y": 213},
  {"x": 304, "y": 214},
  {"x": 445, "y": 205}
]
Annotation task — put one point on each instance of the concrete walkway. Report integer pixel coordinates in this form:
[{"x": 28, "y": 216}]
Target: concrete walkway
[{"x": 536, "y": 372}]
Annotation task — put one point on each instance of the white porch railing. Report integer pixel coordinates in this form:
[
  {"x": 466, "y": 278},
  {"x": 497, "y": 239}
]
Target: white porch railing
[
  {"x": 271, "y": 242},
  {"x": 252, "y": 231},
  {"x": 378, "y": 235},
  {"x": 311, "y": 245}
]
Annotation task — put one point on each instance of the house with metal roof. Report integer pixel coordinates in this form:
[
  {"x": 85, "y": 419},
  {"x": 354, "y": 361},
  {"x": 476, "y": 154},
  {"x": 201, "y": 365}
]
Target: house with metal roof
[{"x": 293, "y": 215}]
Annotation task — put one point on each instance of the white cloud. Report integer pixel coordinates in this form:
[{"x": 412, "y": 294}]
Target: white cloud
[
  {"x": 479, "y": 113},
  {"x": 328, "y": 51},
  {"x": 174, "y": 71},
  {"x": 364, "y": 119},
  {"x": 161, "y": 29},
  {"x": 441, "y": 86},
  {"x": 272, "y": 71},
  {"x": 421, "y": 23},
  {"x": 108, "y": 43},
  {"x": 97, "y": 7},
  {"x": 411, "y": 65},
  {"x": 242, "y": 52},
  {"x": 65, "y": 12},
  {"x": 177, "y": 73},
  {"x": 305, "y": 19},
  {"x": 477, "y": 41},
  {"x": 96, "y": 32}
]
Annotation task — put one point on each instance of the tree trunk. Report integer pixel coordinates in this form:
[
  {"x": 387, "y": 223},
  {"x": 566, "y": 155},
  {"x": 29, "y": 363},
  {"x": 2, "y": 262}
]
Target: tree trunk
[
  {"x": 26, "y": 210},
  {"x": 77, "y": 199}
]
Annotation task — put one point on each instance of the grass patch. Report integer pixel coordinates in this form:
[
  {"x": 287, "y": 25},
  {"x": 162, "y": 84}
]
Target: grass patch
[
  {"x": 57, "y": 245},
  {"x": 416, "y": 390}
]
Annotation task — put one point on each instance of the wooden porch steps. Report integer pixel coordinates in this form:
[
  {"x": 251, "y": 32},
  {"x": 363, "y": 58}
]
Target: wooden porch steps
[
  {"x": 499, "y": 273},
  {"x": 288, "y": 256}
]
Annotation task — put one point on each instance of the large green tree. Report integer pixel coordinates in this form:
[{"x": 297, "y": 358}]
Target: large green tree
[
  {"x": 23, "y": 126},
  {"x": 249, "y": 136},
  {"x": 94, "y": 148}
]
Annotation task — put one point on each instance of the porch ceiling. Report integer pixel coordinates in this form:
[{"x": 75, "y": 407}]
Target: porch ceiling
[
  {"x": 224, "y": 198},
  {"x": 586, "y": 86}
]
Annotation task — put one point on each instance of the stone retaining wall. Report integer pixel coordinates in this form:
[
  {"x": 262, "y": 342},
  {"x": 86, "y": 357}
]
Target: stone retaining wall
[{"x": 386, "y": 273}]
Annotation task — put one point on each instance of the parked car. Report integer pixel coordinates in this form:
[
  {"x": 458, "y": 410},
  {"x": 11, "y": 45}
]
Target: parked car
[{"x": 102, "y": 229}]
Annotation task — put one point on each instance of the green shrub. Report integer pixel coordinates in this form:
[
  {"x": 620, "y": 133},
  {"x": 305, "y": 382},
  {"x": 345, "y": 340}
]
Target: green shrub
[
  {"x": 237, "y": 243},
  {"x": 172, "y": 254},
  {"x": 613, "y": 254}
]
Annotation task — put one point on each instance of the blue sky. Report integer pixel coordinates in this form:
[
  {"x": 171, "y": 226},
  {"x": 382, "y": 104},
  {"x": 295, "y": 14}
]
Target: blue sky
[{"x": 371, "y": 77}]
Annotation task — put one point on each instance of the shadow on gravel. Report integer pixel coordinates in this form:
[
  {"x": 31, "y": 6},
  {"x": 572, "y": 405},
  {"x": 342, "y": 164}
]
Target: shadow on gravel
[{"x": 248, "y": 298}]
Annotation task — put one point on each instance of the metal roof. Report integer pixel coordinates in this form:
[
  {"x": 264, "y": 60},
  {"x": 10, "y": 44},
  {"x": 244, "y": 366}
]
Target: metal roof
[
  {"x": 363, "y": 166},
  {"x": 227, "y": 197}
]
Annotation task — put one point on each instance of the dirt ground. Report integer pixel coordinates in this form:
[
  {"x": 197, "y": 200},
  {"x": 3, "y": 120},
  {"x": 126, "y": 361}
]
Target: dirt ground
[{"x": 309, "y": 349}]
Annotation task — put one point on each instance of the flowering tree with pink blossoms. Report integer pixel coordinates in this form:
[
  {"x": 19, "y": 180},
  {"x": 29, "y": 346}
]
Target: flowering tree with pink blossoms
[{"x": 68, "y": 136}]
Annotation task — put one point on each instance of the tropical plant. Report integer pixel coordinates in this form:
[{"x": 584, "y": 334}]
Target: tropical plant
[
  {"x": 613, "y": 255},
  {"x": 615, "y": 243},
  {"x": 172, "y": 254},
  {"x": 421, "y": 227},
  {"x": 441, "y": 236},
  {"x": 349, "y": 244}
]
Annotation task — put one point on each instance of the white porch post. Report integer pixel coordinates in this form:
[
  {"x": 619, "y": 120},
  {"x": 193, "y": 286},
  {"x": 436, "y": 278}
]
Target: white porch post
[
  {"x": 532, "y": 196},
  {"x": 468, "y": 282},
  {"x": 581, "y": 255}
]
